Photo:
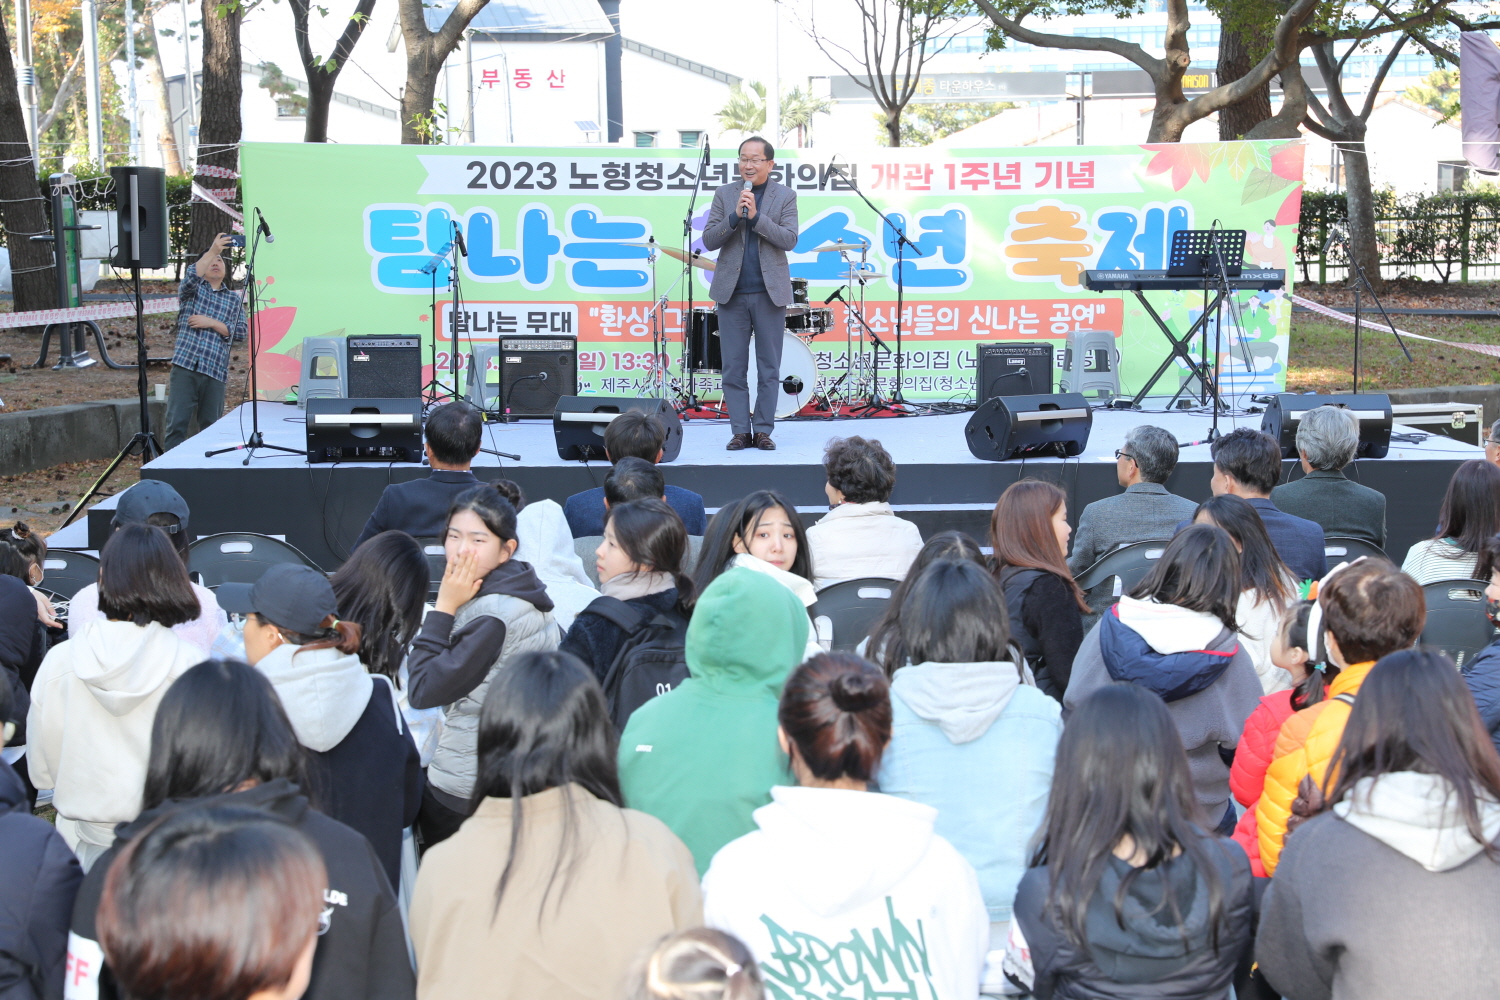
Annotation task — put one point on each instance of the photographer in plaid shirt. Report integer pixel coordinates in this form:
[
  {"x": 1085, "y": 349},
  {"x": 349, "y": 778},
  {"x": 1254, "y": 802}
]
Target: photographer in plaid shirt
[{"x": 210, "y": 316}]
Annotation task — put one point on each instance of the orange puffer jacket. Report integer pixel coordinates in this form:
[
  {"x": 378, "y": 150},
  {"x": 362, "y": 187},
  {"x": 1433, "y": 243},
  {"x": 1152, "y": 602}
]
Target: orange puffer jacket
[
  {"x": 1251, "y": 759},
  {"x": 1305, "y": 747}
]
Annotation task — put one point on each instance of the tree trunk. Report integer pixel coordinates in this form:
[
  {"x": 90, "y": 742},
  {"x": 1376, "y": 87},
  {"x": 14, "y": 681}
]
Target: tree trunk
[
  {"x": 218, "y": 122},
  {"x": 323, "y": 73},
  {"x": 1363, "y": 247},
  {"x": 1286, "y": 123},
  {"x": 425, "y": 52},
  {"x": 416, "y": 99},
  {"x": 22, "y": 208},
  {"x": 893, "y": 126},
  {"x": 156, "y": 79},
  {"x": 1239, "y": 51},
  {"x": 319, "y": 97}
]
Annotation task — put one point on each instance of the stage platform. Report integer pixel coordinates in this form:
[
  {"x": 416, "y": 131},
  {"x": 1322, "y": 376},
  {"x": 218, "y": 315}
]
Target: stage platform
[{"x": 321, "y": 508}]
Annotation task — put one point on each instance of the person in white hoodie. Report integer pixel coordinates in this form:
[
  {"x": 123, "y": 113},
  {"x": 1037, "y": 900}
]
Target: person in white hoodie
[
  {"x": 845, "y": 892},
  {"x": 1391, "y": 893},
  {"x": 1176, "y": 635},
  {"x": 971, "y": 737},
  {"x": 95, "y": 696},
  {"x": 362, "y": 766},
  {"x": 544, "y": 540}
]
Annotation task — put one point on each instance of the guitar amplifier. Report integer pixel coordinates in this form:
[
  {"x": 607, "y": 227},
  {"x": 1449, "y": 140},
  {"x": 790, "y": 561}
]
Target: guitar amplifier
[
  {"x": 364, "y": 430},
  {"x": 383, "y": 368},
  {"x": 523, "y": 376},
  {"x": 1012, "y": 369}
]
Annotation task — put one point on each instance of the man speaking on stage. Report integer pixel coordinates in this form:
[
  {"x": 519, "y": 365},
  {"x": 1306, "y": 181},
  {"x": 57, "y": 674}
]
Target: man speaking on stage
[{"x": 754, "y": 220}]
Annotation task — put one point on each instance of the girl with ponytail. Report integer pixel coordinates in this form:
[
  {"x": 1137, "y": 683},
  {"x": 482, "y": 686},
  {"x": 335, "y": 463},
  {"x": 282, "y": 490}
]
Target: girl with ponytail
[
  {"x": 358, "y": 748},
  {"x": 836, "y": 865},
  {"x": 640, "y": 563},
  {"x": 700, "y": 964}
]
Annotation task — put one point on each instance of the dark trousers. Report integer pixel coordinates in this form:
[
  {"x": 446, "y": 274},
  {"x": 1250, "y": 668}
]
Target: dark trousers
[
  {"x": 437, "y": 820},
  {"x": 747, "y": 315},
  {"x": 191, "y": 393}
]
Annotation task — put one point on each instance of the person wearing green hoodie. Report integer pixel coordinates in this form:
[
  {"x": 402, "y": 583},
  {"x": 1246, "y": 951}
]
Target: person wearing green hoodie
[{"x": 704, "y": 756}]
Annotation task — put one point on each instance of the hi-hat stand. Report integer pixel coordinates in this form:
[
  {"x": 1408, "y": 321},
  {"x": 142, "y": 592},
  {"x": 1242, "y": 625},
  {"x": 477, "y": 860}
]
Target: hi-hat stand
[{"x": 256, "y": 441}]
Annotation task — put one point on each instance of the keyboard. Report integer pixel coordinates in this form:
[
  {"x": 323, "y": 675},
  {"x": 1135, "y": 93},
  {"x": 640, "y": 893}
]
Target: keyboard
[{"x": 1160, "y": 281}]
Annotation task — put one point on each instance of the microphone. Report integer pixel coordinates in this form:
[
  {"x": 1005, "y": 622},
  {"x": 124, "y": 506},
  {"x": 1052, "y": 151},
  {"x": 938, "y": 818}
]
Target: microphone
[
  {"x": 265, "y": 230},
  {"x": 838, "y": 293},
  {"x": 745, "y": 212},
  {"x": 1333, "y": 236},
  {"x": 458, "y": 238}
]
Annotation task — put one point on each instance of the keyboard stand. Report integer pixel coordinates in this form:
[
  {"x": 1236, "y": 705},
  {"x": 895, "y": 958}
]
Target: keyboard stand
[{"x": 1180, "y": 349}]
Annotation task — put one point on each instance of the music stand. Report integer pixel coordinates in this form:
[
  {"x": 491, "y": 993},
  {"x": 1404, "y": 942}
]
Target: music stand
[{"x": 1195, "y": 253}]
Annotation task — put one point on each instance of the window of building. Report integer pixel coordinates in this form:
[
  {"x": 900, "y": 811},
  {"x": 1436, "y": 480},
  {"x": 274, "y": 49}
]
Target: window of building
[
  {"x": 645, "y": 140},
  {"x": 689, "y": 139},
  {"x": 1452, "y": 174}
]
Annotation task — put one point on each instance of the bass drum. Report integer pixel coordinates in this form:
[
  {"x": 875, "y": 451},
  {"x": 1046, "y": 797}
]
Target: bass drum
[{"x": 799, "y": 377}]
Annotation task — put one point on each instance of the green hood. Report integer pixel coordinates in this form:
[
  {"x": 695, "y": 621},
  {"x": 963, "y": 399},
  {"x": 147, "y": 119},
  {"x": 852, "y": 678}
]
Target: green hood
[{"x": 746, "y": 635}]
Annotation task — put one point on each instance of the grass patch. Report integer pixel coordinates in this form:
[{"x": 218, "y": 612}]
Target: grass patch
[{"x": 1322, "y": 355}]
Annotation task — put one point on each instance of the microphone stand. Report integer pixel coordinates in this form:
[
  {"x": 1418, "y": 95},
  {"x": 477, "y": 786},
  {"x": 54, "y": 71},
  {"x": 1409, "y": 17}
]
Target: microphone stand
[
  {"x": 256, "y": 440},
  {"x": 1361, "y": 280},
  {"x": 455, "y": 284},
  {"x": 691, "y": 402},
  {"x": 433, "y": 390},
  {"x": 898, "y": 398}
]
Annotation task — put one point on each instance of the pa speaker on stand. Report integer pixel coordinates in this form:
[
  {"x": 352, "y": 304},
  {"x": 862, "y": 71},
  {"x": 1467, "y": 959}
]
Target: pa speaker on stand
[
  {"x": 579, "y": 423},
  {"x": 1021, "y": 426},
  {"x": 1372, "y": 410}
]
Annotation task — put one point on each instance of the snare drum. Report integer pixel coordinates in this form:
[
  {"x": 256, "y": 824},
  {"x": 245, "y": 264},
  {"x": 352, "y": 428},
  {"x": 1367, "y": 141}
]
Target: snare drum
[
  {"x": 704, "y": 353},
  {"x": 799, "y": 377},
  {"x": 809, "y": 322}
]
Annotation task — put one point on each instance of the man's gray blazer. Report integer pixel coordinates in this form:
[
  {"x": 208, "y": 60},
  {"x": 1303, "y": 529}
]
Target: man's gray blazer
[{"x": 776, "y": 225}]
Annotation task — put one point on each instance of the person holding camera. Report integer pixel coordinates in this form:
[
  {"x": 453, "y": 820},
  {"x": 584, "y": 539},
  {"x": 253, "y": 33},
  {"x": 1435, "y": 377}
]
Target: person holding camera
[{"x": 210, "y": 317}]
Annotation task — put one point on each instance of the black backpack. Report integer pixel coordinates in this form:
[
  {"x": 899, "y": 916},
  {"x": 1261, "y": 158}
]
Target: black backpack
[{"x": 651, "y": 660}]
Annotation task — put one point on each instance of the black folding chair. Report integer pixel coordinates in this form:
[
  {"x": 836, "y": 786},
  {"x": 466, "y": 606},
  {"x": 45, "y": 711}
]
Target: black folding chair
[
  {"x": 845, "y": 611},
  {"x": 1130, "y": 563},
  {"x": 240, "y": 557},
  {"x": 65, "y": 573},
  {"x": 1456, "y": 620},
  {"x": 1341, "y": 549},
  {"x": 437, "y": 563}
]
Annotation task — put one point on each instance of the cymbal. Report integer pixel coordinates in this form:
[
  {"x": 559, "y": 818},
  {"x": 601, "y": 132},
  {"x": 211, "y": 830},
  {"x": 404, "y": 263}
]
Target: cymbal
[
  {"x": 836, "y": 247},
  {"x": 857, "y": 274},
  {"x": 695, "y": 258}
]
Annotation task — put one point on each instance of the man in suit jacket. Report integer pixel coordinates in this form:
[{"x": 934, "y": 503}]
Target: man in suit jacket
[
  {"x": 1327, "y": 439},
  {"x": 420, "y": 507},
  {"x": 754, "y": 220},
  {"x": 1145, "y": 511},
  {"x": 1247, "y": 463},
  {"x": 633, "y": 434}
]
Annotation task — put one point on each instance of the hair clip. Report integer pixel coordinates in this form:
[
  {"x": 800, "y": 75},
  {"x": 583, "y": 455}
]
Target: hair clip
[{"x": 732, "y": 969}]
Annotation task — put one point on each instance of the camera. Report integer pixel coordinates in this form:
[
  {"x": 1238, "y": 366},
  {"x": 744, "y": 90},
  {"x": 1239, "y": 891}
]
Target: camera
[{"x": 237, "y": 240}]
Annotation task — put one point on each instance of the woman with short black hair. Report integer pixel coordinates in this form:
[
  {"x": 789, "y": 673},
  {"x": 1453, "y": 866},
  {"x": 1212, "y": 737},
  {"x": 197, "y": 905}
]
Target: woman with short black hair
[
  {"x": 222, "y": 739},
  {"x": 1127, "y": 895},
  {"x": 551, "y": 879},
  {"x": 382, "y": 588},
  {"x": 835, "y": 865},
  {"x": 1389, "y": 892},
  {"x": 95, "y": 696},
  {"x": 1176, "y": 634},
  {"x": 861, "y": 536},
  {"x": 884, "y": 646}
]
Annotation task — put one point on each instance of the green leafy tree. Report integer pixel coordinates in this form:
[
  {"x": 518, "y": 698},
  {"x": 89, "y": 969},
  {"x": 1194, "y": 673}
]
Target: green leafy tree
[
  {"x": 283, "y": 89},
  {"x": 745, "y": 111},
  {"x": 1439, "y": 91},
  {"x": 924, "y": 124}
]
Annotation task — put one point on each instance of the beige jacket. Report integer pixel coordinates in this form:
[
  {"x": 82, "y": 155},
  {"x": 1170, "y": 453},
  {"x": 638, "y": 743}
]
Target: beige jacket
[
  {"x": 856, "y": 540},
  {"x": 631, "y": 882}
]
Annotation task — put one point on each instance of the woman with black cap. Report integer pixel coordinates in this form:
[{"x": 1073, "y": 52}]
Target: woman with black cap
[{"x": 359, "y": 747}]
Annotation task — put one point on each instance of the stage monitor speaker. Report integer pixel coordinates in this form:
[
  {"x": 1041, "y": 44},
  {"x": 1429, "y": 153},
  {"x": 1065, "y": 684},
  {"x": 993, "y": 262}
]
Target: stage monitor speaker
[
  {"x": 1285, "y": 412},
  {"x": 141, "y": 207},
  {"x": 1012, "y": 369},
  {"x": 578, "y": 423},
  {"x": 322, "y": 370},
  {"x": 523, "y": 376},
  {"x": 364, "y": 430},
  {"x": 383, "y": 368},
  {"x": 1011, "y": 426}
]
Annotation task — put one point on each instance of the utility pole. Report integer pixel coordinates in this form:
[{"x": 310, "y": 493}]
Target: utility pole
[
  {"x": 132, "y": 107},
  {"x": 91, "y": 82},
  {"x": 773, "y": 92},
  {"x": 26, "y": 77},
  {"x": 188, "y": 88}
]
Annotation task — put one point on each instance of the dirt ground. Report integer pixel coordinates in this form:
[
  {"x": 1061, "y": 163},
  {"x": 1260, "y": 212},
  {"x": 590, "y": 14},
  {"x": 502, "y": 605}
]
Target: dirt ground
[{"x": 43, "y": 498}]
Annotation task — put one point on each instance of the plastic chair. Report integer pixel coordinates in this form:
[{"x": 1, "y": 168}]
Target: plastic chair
[
  {"x": 1130, "y": 563},
  {"x": 437, "y": 563},
  {"x": 240, "y": 557},
  {"x": 65, "y": 573},
  {"x": 844, "y": 612},
  {"x": 1339, "y": 548},
  {"x": 1456, "y": 622}
]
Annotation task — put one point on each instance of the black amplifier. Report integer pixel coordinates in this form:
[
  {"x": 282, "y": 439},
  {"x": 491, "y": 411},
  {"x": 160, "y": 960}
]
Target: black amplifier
[
  {"x": 523, "y": 376},
  {"x": 384, "y": 367},
  {"x": 1012, "y": 369}
]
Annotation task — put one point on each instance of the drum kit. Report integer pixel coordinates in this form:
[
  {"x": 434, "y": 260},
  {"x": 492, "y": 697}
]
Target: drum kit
[{"x": 702, "y": 353}]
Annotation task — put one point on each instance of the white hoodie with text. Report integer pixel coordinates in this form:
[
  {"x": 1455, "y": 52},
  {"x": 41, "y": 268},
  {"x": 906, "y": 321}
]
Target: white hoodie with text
[
  {"x": 851, "y": 895},
  {"x": 323, "y": 691},
  {"x": 89, "y": 729}
]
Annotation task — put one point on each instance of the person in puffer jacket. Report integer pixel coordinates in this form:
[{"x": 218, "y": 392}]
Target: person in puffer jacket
[
  {"x": 1368, "y": 609},
  {"x": 1247, "y": 777},
  {"x": 1482, "y": 673},
  {"x": 1175, "y": 635}
]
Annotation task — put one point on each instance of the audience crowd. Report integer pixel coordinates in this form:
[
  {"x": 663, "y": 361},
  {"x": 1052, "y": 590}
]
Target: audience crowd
[{"x": 621, "y": 750}]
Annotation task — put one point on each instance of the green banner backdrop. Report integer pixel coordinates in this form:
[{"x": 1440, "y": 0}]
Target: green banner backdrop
[{"x": 1005, "y": 235}]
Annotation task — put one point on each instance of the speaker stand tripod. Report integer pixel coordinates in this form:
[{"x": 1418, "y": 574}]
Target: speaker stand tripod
[{"x": 256, "y": 441}]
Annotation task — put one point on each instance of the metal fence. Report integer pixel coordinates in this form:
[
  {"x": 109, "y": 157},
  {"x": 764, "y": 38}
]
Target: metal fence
[{"x": 1444, "y": 237}]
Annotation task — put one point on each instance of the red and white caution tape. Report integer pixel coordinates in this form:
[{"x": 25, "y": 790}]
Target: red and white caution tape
[
  {"x": 213, "y": 197},
  {"x": 209, "y": 170},
  {"x": 1493, "y": 350},
  {"x": 96, "y": 311}
]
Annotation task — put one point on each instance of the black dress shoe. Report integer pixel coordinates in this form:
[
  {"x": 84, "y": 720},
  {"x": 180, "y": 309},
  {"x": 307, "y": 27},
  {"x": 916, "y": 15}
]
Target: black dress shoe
[
  {"x": 763, "y": 442},
  {"x": 738, "y": 443}
]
